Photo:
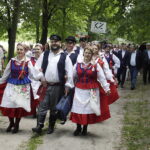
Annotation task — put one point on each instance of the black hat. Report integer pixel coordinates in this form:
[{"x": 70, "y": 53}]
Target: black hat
[
  {"x": 83, "y": 39},
  {"x": 70, "y": 39},
  {"x": 55, "y": 37}
]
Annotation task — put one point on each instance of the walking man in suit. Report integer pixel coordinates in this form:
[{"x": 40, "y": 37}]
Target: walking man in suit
[
  {"x": 146, "y": 64},
  {"x": 134, "y": 64},
  {"x": 123, "y": 55}
]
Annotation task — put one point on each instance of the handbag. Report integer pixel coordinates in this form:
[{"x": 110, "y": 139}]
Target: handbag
[
  {"x": 64, "y": 106},
  {"x": 94, "y": 102}
]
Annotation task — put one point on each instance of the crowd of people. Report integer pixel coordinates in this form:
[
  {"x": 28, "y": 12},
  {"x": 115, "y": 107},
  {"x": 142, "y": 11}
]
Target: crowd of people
[{"x": 36, "y": 79}]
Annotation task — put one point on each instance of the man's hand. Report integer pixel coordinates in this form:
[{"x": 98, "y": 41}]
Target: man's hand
[
  {"x": 67, "y": 90},
  {"x": 44, "y": 83}
]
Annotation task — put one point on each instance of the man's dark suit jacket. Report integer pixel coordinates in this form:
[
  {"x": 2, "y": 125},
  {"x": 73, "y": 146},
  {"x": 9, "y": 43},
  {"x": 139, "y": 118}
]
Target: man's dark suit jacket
[
  {"x": 124, "y": 60},
  {"x": 146, "y": 60},
  {"x": 138, "y": 59}
]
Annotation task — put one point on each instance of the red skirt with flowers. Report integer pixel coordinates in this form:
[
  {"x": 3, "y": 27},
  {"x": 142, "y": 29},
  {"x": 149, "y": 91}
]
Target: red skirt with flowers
[
  {"x": 16, "y": 112},
  {"x": 85, "y": 119}
]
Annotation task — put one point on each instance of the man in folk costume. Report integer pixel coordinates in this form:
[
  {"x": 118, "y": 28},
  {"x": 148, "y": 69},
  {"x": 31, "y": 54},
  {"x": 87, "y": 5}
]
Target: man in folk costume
[
  {"x": 71, "y": 49},
  {"x": 55, "y": 65}
]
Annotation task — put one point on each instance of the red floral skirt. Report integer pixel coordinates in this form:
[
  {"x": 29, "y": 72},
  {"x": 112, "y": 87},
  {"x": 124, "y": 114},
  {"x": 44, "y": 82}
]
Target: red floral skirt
[{"x": 17, "y": 112}]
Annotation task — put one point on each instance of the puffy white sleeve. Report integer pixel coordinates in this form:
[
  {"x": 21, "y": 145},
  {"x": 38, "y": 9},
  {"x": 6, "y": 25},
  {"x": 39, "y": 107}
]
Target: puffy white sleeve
[
  {"x": 6, "y": 73},
  {"x": 34, "y": 72},
  {"x": 38, "y": 63},
  {"x": 116, "y": 61},
  {"x": 69, "y": 72},
  {"x": 102, "y": 79},
  {"x": 75, "y": 71},
  {"x": 107, "y": 71}
]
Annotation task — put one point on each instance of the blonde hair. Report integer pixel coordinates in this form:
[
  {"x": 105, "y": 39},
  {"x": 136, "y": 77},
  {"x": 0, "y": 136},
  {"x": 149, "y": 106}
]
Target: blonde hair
[{"x": 89, "y": 48}]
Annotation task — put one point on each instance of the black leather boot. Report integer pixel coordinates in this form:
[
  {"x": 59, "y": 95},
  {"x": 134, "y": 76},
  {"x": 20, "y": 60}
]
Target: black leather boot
[
  {"x": 78, "y": 130},
  {"x": 84, "y": 131},
  {"x": 11, "y": 124},
  {"x": 16, "y": 126},
  {"x": 40, "y": 124},
  {"x": 52, "y": 121}
]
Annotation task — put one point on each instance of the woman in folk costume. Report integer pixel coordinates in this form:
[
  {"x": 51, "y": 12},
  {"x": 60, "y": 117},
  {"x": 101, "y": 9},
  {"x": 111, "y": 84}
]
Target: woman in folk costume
[
  {"x": 16, "y": 99},
  {"x": 87, "y": 107},
  {"x": 99, "y": 58},
  {"x": 37, "y": 51}
]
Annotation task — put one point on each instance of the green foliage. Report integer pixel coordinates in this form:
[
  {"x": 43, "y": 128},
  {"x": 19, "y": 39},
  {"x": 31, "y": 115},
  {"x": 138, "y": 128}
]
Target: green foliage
[{"x": 128, "y": 19}]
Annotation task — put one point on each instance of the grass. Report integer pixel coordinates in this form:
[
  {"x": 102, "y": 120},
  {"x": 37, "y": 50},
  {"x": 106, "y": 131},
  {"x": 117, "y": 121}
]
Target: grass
[
  {"x": 136, "y": 128},
  {"x": 34, "y": 141}
]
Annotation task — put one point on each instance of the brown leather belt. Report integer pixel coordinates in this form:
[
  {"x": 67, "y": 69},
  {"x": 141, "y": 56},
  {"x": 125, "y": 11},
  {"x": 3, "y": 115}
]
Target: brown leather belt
[{"x": 54, "y": 83}]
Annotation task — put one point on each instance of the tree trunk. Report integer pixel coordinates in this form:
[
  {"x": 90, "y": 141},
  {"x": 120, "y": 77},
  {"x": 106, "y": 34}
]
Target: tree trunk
[
  {"x": 45, "y": 20},
  {"x": 12, "y": 29}
]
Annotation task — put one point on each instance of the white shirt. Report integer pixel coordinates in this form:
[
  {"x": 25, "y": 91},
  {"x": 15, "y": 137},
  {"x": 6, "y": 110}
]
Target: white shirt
[
  {"x": 133, "y": 59},
  {"x": 148, "y": 51},
  {"x": 51, "y": 74},
  {"x": 107, "y": 71},
  {"x": 123, "y": 53}
]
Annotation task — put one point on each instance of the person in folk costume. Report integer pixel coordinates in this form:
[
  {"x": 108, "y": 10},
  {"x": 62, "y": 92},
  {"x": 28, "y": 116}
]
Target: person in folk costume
[
  {"x": 83, "y": 43},
  {"x": 88, "y": 77},
  {"x": 37, "y": 51},
  {"x": 56, "y": 65},
  {"x": 113, "y": 60},
  {"x": 71, "y": 50},
  {"x": 16, "y": 99},
  {"x": 99, "y": 58}
]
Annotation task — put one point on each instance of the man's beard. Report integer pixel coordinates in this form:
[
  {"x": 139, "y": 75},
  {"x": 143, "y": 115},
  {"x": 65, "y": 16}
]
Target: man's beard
[{"x": 55, "y": 47}]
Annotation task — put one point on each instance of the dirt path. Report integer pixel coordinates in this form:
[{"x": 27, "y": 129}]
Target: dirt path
[{"x": 101, "y": 136}]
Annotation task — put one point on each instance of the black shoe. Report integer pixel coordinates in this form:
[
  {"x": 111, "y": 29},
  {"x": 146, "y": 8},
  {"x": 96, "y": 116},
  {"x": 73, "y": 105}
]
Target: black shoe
[
  {"x": 9, "y": 127},
  {"x": 132, "y": 88},
  {"x": 50, "y": 130},
  {"x": 78, "y": 130},
  {"x": 38, "y": 129},
  {"x": 15, "y": 130},
  {"x": 84, "y": 132}
]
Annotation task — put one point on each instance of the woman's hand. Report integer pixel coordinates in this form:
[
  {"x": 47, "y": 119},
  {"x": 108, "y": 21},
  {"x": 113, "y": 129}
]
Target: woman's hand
[{"x": 108, "y": 93}]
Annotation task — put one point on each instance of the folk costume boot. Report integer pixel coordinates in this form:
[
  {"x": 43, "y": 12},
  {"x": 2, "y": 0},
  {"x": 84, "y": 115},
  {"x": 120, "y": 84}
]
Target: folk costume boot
[
  {"x": 11, "y": 124},
  {"x": 51, "y": 126},
  {"x": 84, "y": 131},
  {"x": 16, "y": 126},
  {"x": 40, "y": 124},
  {"x": 78, "y": 130}
]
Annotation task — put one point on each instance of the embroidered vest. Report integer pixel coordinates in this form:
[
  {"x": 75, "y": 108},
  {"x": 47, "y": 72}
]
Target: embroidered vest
[
  {"x": 87, "y": 77},
  {"x": 15, "y": 72},
  {"x": 60, "y": 65}
]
